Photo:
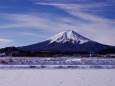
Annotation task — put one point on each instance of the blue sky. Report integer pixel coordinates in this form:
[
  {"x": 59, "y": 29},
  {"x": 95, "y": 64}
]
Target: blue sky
[{"x": 25, "y": 22}]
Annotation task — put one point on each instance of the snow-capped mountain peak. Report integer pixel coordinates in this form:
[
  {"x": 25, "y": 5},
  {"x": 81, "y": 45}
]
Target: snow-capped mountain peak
[
  {"x": 66, "y": 41},
  {"x": 69, "y": 36}
]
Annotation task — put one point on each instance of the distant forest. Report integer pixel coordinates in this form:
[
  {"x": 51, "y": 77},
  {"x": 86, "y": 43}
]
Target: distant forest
[{"x": 13, "y": 51}]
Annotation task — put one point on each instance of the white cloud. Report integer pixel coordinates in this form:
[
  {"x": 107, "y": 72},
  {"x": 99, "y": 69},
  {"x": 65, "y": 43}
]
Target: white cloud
[
  {"x": 97, "y": 28},
  {"x": 28, "y": 20},
  {"x": 80, "y": 10},
  {"x": 5, "y": 41},
  {"x": 92, "y": 26},
  {"x": 31, "y": 34}
]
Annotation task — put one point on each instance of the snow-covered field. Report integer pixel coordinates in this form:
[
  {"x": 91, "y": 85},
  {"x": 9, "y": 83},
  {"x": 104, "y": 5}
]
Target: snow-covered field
[
  {"x": 57, "y": 77},
  {"x": 53, "y": 63}
]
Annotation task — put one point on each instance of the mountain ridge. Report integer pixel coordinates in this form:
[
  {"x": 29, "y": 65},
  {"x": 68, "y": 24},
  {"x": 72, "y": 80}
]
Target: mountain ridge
[{"x": 66, "y": 41}]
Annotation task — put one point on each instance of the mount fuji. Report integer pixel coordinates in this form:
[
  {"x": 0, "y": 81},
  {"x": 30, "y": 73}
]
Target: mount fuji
[{"x": 66, "y": 41}]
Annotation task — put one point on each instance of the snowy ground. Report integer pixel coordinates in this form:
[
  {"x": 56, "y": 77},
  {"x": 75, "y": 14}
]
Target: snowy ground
[
  {"x": 53, "y": 63},
  {"x": 57, "y": 77}
]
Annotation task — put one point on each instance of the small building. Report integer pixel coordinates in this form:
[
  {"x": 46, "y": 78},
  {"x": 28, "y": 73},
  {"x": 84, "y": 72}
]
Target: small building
[
  {"x": 2, "y": 54},
  {"x": 110, "y": 55}
]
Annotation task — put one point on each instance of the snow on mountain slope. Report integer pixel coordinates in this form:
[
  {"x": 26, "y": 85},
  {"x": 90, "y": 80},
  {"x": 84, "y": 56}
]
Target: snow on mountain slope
[
  {"x": 66, "y": 41},
  {"x": 70, "y": 36}
]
